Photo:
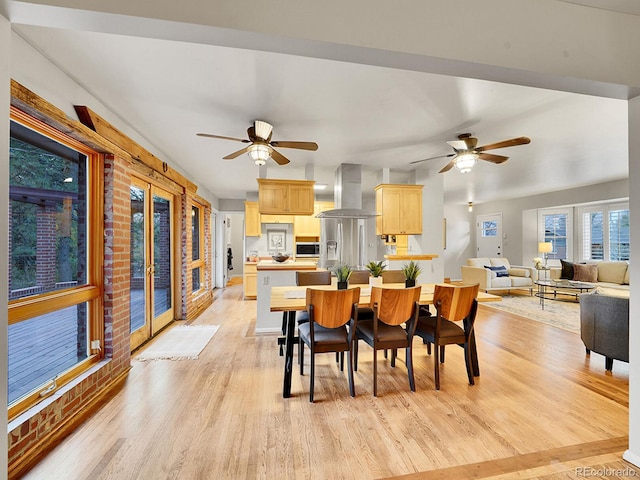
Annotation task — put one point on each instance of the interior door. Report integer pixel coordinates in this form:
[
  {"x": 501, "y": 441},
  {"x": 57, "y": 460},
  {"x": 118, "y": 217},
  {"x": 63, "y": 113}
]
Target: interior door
[
  {"x": 152, "y": 266},
  {"x": 489, "y": 235}
]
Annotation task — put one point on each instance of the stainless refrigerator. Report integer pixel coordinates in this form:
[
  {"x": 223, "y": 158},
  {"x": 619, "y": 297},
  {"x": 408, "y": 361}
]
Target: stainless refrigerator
[{"x": 342, "y": 242}]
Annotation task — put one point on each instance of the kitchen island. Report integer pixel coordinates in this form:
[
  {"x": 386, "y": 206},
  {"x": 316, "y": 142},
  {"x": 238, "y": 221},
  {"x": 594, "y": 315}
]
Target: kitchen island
[{"x": 274, "y": 274}]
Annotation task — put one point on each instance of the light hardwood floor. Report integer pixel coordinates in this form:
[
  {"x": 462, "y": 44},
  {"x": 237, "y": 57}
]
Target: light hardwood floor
[{"x": 540, "y": 409}]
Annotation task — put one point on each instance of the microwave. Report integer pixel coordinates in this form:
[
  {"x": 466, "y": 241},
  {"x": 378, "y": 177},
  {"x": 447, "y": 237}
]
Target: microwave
[{"x": 307, "y": 249}]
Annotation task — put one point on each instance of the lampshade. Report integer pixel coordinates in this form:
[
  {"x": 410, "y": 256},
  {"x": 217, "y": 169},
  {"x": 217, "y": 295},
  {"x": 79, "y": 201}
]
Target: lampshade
[
  {"x": 545, "y": 247},
  {"x": 259, "y": 153},
  {"x": 465, "y": 162}
]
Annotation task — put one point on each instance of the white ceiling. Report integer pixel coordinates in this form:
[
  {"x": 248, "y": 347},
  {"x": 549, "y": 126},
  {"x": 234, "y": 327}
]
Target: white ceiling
[{"x": 374, "y": 116}]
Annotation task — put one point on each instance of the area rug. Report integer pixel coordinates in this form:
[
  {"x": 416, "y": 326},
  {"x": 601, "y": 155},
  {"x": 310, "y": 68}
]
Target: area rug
[
  {"x": 179, "y": 343},
  {"x": 556, "y": 313}
]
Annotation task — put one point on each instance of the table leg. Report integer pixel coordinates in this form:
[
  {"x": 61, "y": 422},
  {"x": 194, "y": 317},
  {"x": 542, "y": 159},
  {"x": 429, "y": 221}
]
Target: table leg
[{"x": 288, "y": 359}]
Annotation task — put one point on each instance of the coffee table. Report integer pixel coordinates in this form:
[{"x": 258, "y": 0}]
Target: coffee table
[{"x": 570, "y": 288}]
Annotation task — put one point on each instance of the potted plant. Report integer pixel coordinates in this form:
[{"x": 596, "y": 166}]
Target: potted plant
[
  {"x": 342, "y": 273},
  {"x": 411, "y": 271},
  {"x": 375, "y": 269}
]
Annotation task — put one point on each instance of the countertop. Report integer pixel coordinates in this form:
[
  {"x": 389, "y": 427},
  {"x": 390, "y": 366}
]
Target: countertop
[
  {"x": 288, "y": 265},
  {"x": 421, "y": 256}
]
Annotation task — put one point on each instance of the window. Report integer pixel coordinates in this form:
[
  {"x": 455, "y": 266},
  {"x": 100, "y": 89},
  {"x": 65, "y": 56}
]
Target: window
[
  {"x": 55, "y": 258},
  {"x": 556, "y": 226},
  {"x": 489, "y": 229},
  {"x": 605, "y": 232},
  {"x": 197, "y": 245}
]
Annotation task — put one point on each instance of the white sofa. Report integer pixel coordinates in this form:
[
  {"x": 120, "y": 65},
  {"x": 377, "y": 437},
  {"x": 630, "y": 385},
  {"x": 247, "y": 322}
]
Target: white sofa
[
  {"x": 612, "y": 276},
  {"x": 519, "y": 277}
]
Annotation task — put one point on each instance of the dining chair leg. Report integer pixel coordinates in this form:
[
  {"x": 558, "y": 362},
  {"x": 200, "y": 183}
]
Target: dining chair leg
[
  {"x": 301, "y": 356},
  {"x": 342, "y": 361},
  {"x": 352, "y": 388},
  {"x": 428, "y": 347},
  {"x": 355, "y": 354},
  {"x": 409, "y": 361},
  {"x": 436, "y": 373},
  {"x": 313, "y": 375},
  {"x": 394, "y": 353},
  {"x": 441, "y": 353},
  {"x": 468, "y": 361},
  {"x": 375, "y": 372}
]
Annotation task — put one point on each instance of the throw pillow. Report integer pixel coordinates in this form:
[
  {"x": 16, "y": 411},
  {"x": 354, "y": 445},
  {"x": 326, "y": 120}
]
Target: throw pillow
[
  {"x": 500, "y": 271},
  {"x": 567, "y": 270},
  {"x": 585, "y": 273}
]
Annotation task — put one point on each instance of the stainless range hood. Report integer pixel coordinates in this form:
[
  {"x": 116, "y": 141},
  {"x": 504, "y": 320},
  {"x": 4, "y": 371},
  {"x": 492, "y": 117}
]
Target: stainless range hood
[
  {"x": 342, "y": 230},
  {"x": 347, "y": 194}
]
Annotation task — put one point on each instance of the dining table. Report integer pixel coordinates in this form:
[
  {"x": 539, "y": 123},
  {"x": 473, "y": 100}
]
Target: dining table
[{"x": 292, "y": 299}]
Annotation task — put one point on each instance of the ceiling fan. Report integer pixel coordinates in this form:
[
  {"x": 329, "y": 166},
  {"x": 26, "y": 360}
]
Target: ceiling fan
[
  {"x": 466, "y": 152},
  {"x": 261, "y": 146}
]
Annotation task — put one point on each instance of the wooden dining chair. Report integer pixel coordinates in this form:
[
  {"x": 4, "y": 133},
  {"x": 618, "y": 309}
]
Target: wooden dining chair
[
  {"x": 392, "y": 276},
  {"x": 392, "y": 307},
  {"x": 321, "y": 277},
  {"x": 453, "y": 303},
  {"x": 330, "y": 311},
  {"x": 359, "y": 277}
]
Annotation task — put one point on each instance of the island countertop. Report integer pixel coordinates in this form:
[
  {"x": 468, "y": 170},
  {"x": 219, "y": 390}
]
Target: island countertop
[
  {"x": 288, "y": 265},
  {"x": 419, "y": 256}
]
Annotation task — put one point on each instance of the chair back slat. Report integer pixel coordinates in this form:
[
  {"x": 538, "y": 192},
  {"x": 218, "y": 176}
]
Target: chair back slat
[
  {"x": 332, "y": 308},
  {"x": 392, "y": 276},
  {"x": 395, "y": 305},
  {"x": 456, "y": 300},
  {"x": 313, "y": 278}
]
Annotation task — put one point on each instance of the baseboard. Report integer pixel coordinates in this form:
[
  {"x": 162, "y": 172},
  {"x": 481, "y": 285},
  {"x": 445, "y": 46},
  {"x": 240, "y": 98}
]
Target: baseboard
[{"x": 631, "y": 457}]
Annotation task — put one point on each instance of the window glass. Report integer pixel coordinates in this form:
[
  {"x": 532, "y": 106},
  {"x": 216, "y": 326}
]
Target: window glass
[
  {"x": 195, "y": 279},
  {"x": 43, "y": 347},
  {"x": 619, "y": 234},
  {"x": 489, "y": 229},
  {"x": 48, "y": 214},
  {"x": 195, "y": 233},
  {"x": 555, "y": 231}
]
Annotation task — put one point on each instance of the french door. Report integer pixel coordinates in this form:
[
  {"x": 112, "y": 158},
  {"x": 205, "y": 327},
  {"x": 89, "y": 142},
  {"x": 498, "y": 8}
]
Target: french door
[{"x": 152, "y": 267}]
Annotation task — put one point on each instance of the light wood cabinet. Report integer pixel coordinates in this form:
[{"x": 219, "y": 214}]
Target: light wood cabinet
[
  {"x": 277, "y": 218},
  {"x": 252, "y": 226},
  {"x": 399, "y": 209},
  {"x": 250, "y": 281},
  {"x": 308, "y": 225},
  {"x": 285, "y": 197}
]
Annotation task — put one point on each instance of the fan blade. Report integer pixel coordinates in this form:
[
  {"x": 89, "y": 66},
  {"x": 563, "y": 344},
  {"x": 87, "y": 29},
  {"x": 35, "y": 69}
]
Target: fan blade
[
  {"x": 458, "y": 144},
  {"x": 447, "y": 167},
  {"x": 505, "y": 143},
  {"x": 279, "y": 158},
  {"x": 432, "y": 158},
  {"x": 299, "y": 145},
  {"x": 208, "y": 135},
  {"x": 490, "y": 157},
  {"x": 233, "y": 155}
]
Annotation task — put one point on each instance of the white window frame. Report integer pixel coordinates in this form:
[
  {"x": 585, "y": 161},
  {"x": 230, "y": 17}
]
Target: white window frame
[
  {"x": 604, "y": 208},
  {"x": 568, "y": 211}
]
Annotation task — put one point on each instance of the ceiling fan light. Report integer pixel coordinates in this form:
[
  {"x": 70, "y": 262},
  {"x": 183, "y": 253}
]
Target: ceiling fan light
[
  {"x": 259, "y": 153},
  {"x": 465, "y": 162},
  {"x": 262, "y": 129}
]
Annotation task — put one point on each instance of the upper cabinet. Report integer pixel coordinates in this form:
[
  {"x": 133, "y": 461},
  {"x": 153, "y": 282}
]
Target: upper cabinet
[
  {"x": 309, "y": 225},
  {"x": 399, "y": 209},
  {"x": 252, "y": 226},
  {"x": 285, "y": 197}
]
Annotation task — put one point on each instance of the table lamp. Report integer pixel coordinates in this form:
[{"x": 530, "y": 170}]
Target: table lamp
[{"x": 545, "y": 248}]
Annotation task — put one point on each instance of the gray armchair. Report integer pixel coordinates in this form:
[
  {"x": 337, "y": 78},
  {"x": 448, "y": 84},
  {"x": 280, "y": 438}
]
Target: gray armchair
[{"x": 604, "y": 326}]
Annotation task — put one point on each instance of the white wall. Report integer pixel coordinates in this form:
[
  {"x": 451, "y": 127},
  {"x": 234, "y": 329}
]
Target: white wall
[{"x": 5, "y": 53}]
